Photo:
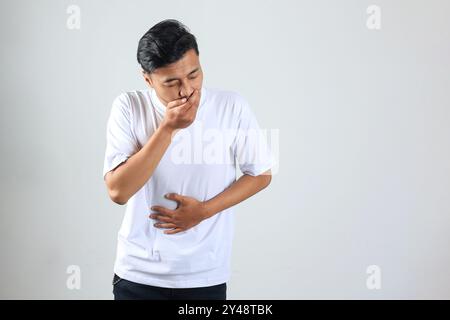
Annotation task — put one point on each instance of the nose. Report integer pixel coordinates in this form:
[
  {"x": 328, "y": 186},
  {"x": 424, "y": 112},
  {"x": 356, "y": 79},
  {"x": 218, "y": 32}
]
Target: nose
[{"x": 186, "y": 93}]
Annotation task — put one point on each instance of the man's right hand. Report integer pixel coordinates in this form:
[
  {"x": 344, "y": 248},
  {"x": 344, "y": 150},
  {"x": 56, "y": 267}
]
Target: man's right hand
[{"x": 180, "y": 114}]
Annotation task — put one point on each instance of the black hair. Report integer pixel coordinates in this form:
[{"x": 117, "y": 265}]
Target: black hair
[{"x": 165, "y": 43}]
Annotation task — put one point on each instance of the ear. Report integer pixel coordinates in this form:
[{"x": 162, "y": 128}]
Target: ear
[{"x": 147, "y": 78}]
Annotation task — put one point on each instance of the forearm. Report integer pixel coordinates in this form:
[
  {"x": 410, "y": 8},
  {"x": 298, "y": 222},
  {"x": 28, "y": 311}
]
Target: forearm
[
  {"x": 245, "y": 187},
  {"x": 129, "y": 177}
]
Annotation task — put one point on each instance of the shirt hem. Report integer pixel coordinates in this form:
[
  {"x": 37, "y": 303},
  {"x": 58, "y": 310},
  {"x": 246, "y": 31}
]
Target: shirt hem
[{"x": 194, "y": 283}]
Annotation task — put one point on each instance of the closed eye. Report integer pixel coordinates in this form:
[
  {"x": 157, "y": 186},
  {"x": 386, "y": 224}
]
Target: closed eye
[{"x": 190, "y": 78}]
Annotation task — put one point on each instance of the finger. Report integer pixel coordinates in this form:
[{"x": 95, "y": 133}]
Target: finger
[
  {"x": 182, "y": 101},
  {"x": 192, "y": 94},
  {"x": 175, "y": 197},
  {"x": 183, "y": 106},
  {"x": 193, "y": 101},
  {"x": 163, "y": 210},
  {"x": 160, "y": 217},
  {"x": 190, "y": 100},
  {"x": 165, "y": 225},
  {"x": 177, "y": 103},
  {"x": 173, "y": 231}
]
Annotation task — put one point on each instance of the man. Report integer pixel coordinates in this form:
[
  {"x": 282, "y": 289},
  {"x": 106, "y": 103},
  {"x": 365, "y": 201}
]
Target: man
[{"x": 171, "y": 156}]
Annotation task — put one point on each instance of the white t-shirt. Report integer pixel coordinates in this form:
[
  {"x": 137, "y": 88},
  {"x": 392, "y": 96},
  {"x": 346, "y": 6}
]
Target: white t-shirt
[{"x": 200, "y": 162}]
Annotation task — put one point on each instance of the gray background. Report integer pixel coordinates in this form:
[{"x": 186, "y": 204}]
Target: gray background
[{"x": 364, "y": 161}]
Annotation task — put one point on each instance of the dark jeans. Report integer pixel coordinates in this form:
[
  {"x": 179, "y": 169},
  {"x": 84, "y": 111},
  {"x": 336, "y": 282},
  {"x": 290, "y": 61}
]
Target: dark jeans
[{"x": 127, "y": 290}]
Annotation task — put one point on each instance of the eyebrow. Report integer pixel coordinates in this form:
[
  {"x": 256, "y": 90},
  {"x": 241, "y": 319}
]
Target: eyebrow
[{"x": 171, "y": 79}]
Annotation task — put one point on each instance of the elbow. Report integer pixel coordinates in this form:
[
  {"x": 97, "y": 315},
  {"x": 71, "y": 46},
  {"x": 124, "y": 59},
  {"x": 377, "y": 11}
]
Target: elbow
[
  {"x": 115, "y": 194},
  {"x": 117, "y": 197},
  {"x": 267, "y": 178}
]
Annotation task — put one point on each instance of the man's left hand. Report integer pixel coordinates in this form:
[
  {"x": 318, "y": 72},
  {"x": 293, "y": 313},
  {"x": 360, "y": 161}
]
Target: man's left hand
[{"x": 188, "y": 214}]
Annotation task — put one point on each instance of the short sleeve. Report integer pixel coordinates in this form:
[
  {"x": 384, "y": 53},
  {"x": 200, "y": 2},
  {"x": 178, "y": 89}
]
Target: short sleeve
[
  {"x": 120, "y": 142},
  {"x": 252, "y": 152}
]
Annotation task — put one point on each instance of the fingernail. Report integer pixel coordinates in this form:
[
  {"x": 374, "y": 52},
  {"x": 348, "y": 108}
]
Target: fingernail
[{"x": 183, "y": 100}]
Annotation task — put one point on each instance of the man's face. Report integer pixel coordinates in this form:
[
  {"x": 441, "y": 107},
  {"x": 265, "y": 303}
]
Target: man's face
[{"x": 177, "y": 80}]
